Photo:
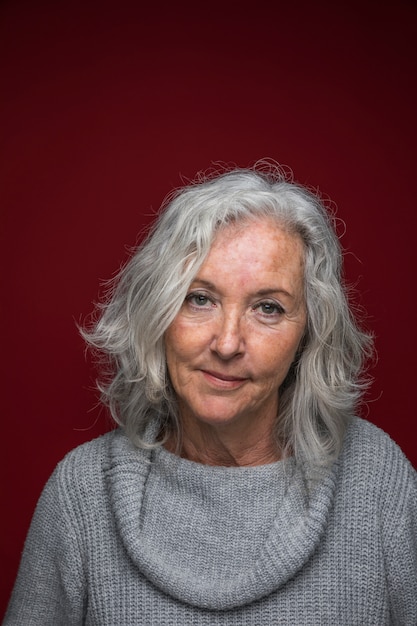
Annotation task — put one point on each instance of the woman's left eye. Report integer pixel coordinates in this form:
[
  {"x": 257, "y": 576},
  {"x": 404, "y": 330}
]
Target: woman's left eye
[{"x": 269, "y": 308}]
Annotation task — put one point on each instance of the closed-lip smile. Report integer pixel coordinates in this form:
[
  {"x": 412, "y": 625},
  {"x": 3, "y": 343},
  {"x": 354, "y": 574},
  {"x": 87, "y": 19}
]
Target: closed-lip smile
[{"x": 223, "y": 380}]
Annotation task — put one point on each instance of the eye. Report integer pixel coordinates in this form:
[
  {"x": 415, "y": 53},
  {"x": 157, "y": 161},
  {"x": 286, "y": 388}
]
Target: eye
[
  {"x": 269, "y": 309},
  {"x": 199, "y": 300}
]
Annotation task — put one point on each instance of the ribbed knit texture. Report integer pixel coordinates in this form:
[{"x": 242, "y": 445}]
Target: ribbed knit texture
[{"x": 123, "y": 537}]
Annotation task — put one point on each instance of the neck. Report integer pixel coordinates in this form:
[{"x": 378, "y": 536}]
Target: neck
[{"x": 226, "y": 445}]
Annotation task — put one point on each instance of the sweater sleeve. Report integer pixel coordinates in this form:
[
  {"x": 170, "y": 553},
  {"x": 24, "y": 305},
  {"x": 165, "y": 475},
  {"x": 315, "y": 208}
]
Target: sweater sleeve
[
  {"x": 401, "y": 552},
  {"x": 49, "y": 589}
]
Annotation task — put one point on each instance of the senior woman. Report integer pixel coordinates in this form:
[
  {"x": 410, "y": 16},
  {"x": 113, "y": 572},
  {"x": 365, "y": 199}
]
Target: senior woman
[{"x": 239, "y": 488}]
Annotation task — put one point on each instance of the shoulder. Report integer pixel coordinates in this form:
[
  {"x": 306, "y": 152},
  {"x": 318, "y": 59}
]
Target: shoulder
[
  {"x": 366, "y": 443},
  {"x": 375, "y": 467},
  {"x": 81, "y": 474},
  {"x": 91, "y": 456}
]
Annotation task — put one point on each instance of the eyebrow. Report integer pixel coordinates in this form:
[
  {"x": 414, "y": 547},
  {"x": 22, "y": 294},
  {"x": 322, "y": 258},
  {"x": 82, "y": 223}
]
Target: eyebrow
[{"x": 266, "y": 291}]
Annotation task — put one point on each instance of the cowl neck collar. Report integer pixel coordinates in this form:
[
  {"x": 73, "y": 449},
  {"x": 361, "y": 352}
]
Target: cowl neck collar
[{"x": 215, "y": 537}]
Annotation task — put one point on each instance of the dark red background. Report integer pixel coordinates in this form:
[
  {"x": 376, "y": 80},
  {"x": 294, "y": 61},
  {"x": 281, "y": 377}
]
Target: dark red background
[{"x": 107, "y": 106}]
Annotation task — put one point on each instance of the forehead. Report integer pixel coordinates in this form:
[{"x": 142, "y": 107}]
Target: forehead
[
  {"x": 258, "y": 235},
  {"x": 256, "y": 250}
]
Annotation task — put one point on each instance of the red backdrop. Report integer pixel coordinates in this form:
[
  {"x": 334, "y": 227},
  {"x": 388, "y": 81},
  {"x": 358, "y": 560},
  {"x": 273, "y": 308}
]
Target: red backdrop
[{"x": 107, "y": 106}]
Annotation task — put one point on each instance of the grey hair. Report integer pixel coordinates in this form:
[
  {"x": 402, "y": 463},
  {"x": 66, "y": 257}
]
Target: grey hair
[{"x": 325, "y": 383}]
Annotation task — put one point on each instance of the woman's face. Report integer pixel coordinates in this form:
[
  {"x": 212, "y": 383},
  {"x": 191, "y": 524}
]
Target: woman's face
[{"x": 233, "y": 341}]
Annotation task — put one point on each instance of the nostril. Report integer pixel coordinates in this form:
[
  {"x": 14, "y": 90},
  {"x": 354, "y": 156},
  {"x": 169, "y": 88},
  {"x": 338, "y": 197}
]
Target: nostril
[{"x": 228, "y": 343}]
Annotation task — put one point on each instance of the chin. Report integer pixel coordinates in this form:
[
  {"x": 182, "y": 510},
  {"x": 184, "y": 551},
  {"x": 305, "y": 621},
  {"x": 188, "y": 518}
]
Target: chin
[{"x": 217, "y": 418}]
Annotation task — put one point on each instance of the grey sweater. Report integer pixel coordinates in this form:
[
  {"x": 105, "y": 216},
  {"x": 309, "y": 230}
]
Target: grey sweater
[{"x": 124, "y": 537}]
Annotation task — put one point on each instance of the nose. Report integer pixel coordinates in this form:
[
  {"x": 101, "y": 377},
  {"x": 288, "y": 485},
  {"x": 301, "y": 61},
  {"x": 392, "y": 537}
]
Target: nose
[{"x": 228, "y": 340}]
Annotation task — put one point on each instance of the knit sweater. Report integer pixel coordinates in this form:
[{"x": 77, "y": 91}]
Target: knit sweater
[{"x": 124, "y": 537}]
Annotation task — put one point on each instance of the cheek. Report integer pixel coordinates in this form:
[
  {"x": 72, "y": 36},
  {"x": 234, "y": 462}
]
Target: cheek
[
  {"x": 275, "y": 357},
  {"x": 173, "y": 356},
  {"x": 183, "y": 341}
]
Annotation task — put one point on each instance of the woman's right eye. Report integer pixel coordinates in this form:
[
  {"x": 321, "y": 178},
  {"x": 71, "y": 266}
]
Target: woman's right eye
[{"x": 198, "y": 300}]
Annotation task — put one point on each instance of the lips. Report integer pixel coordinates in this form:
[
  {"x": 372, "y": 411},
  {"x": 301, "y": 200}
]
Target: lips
[
  {"x": 225, "y": 381},
  {"x": 223, "y": 376}
]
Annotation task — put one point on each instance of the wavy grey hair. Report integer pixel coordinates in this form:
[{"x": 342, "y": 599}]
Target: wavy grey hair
[{"x": 325, "y": 383}]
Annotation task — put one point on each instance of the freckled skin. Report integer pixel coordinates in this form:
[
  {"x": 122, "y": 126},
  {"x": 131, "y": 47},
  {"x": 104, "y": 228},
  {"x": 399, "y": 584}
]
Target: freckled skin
[{"x": 232, "y": 343}]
